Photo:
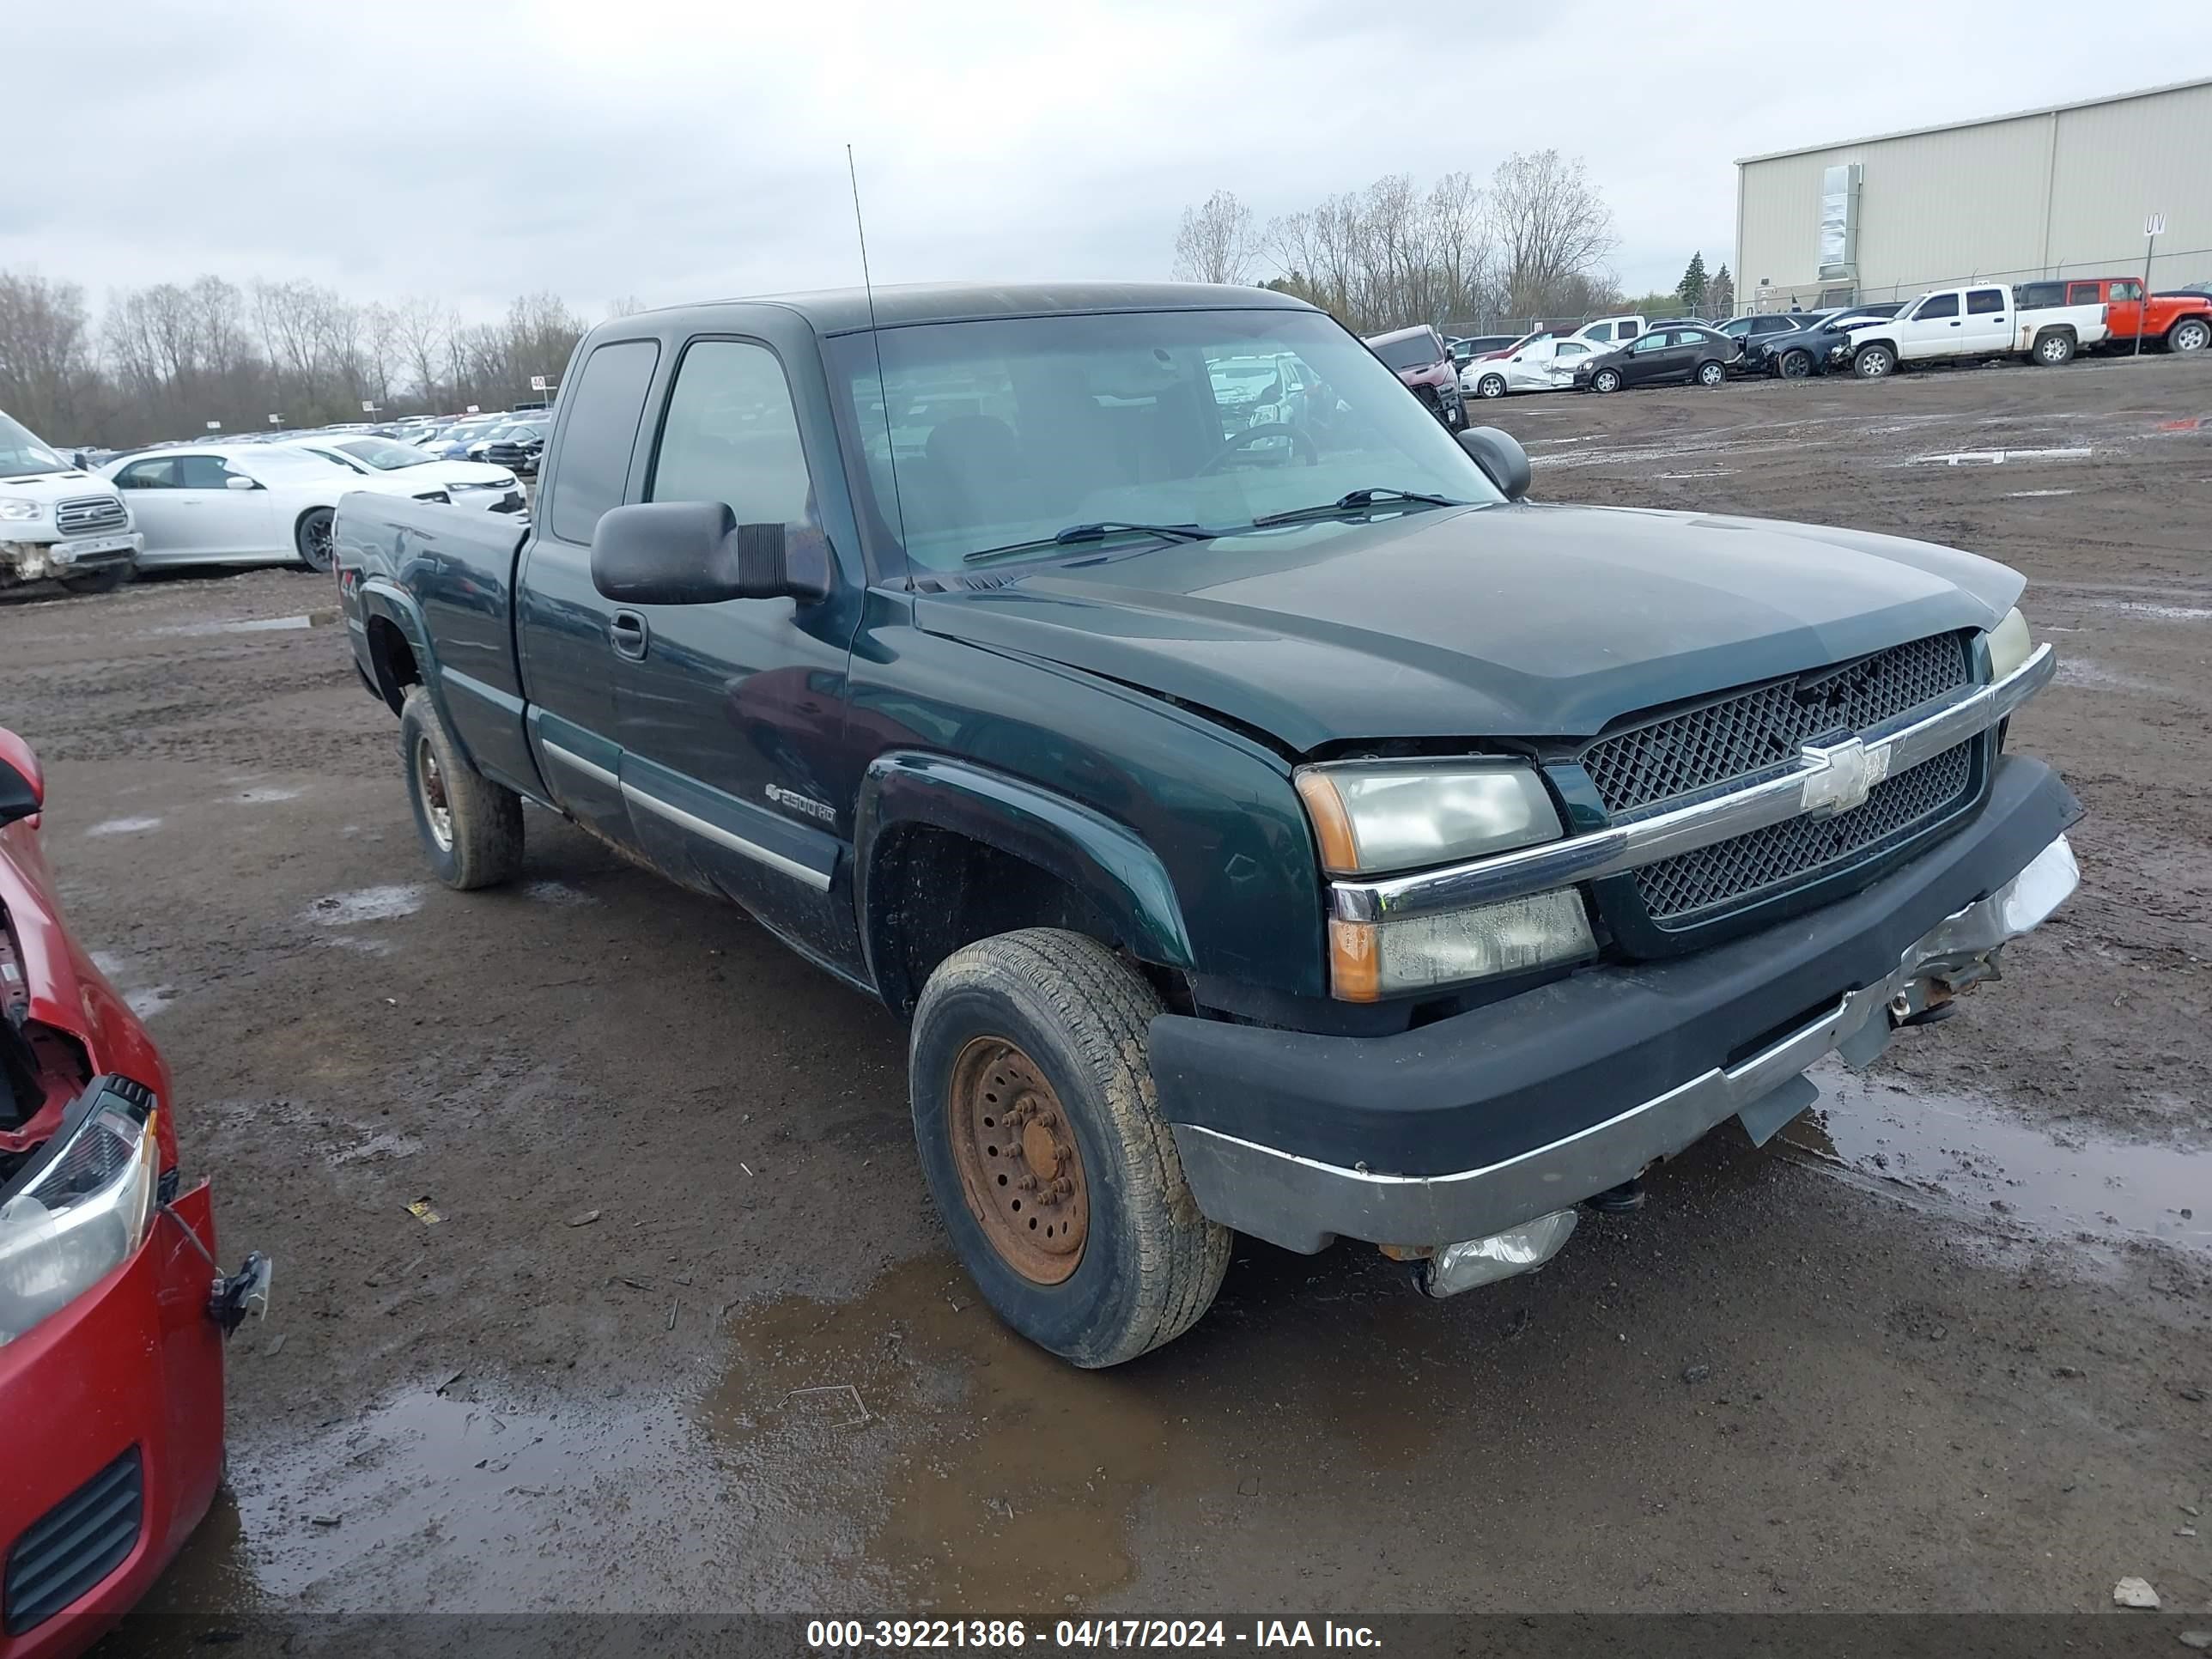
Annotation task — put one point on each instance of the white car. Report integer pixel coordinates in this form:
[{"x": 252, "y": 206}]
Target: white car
[
  {"x": 470, "y": 484},
  {"x": 1541, "y": 362},
  {"x": 1610, "y": 331},
  {"x": 242, "y": 504}
]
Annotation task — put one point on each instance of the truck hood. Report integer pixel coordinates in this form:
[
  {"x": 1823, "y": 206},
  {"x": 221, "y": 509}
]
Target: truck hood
[
  {"x": 1506, "y": 621},
  {"x": 51, "y": 487}
]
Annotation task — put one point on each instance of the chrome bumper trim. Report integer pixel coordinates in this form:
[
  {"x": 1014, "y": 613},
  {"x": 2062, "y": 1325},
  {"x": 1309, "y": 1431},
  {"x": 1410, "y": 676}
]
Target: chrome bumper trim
[
  {"x": 1824, "y": 780},
  {"x": 1303, "y": 1204}
]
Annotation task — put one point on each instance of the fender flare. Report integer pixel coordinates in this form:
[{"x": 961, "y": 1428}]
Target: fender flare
[
  {"x": 384, "y": 600},
  {"x": 1105, "y": 860}
]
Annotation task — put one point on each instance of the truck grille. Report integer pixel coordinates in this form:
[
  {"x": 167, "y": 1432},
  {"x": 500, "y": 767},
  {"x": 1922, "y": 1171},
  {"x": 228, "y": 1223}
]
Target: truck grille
[
  {"x": 1745, "y": 869},
  {"x": 90, "y": 515},
  {"x": 1735, "y": 739},
  {"x": 74, "y": 1544},
  {"x": 1753, "y": 730}
]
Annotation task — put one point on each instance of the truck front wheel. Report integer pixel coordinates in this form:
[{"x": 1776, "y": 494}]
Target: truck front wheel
[
  {"x": 471, "y": 827},
  {"x": 2190, "y": 334},
  {"x": 1041, "y": 1138}
]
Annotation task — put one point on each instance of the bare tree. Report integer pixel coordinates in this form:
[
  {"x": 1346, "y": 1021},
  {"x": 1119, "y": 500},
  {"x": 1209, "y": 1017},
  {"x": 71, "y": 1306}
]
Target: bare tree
[
  {"x": 45, "y": 355},
  {"x": 1551, "y": 225},
  {"x": 1215, "y": 242},
  {"x": 424, "y": 325},
  {"x": 628, "y": 305}
]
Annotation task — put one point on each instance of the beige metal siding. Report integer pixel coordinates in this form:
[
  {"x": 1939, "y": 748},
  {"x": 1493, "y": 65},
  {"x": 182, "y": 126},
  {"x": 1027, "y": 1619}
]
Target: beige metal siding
[
  {"x": 2006, "y": 200},
  {"x": 2120, "y": 160}
]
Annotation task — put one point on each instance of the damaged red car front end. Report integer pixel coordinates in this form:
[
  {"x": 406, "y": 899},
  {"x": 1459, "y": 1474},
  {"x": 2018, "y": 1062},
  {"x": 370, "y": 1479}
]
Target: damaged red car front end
[{"x": 112, "y": 1310}]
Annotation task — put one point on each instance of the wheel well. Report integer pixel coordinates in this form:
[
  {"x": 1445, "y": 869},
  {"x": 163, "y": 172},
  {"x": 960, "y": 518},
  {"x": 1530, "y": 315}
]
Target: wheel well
[
  {"x": 394, "y": 660},
  {"x": 932, "y": 890}
]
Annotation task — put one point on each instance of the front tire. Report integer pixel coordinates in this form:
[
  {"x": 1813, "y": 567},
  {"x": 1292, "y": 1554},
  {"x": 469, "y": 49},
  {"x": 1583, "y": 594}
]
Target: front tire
[
  {"x": 2190, "y": 334},
  {"x": 471, "y": 827},
  {"x": 1041, "y": 1138},
  {"x": 313, "y": 537},
  {"x": 1606, "y": 380},
  {"x": 106, "y": 580},
  {"x": 1796, "y": 365},
  {"x": 1490, "y": 385},
  {"x": 1873, "y": 362}
]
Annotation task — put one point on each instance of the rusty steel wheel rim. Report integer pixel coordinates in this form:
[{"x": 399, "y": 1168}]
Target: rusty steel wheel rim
[{"x": 1020, "y": 1168}]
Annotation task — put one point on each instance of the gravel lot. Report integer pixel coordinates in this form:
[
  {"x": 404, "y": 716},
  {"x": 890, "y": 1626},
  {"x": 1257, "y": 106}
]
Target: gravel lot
[{"x": 685, "y": 1309}]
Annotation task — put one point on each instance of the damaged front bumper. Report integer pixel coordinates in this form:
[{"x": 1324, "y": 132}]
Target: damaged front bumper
[
  {"x": 1552, "y": 1090},
  {"x": 35, "y": 562}
]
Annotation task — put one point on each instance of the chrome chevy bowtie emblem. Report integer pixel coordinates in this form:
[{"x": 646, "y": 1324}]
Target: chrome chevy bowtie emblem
[{"x": 1842, "y": 775}]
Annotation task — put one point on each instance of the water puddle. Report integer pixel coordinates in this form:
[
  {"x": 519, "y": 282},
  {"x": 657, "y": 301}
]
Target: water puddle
[
  {"x": 2163, "y": 612},
  {"x": 123, "y": 826},
  {"x": 1973, "y": 1154},
  {"x": 366, "y": 904},
  {"x": 149, "y": 1001},
  {"x": 557, "y": 892},
  {"x": 2026, "y": 494},
  {"x": 251, "y": 625},
  {"x": 2000, "y": 457},
  {"x": 269, "y": 794},
  {"x": 2095, "y": 677}
]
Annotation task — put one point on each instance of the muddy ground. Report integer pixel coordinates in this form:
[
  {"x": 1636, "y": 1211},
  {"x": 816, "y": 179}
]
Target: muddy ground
[{"x": 685, "y": 1335}]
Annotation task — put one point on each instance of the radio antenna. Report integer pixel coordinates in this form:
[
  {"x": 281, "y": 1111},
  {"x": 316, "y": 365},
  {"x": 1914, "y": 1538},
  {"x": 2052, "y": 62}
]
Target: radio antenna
[{"x": 876, "y": 338}]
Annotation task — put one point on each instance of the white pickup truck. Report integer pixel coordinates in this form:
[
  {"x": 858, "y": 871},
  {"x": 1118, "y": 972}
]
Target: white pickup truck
[
  {"x": 58, "y": 520},
  {"x": 1971, "y": 324}
]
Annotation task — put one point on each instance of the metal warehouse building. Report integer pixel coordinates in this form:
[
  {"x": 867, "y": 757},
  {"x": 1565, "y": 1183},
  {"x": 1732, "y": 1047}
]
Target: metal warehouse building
[{"x": 2046, "y": 192}]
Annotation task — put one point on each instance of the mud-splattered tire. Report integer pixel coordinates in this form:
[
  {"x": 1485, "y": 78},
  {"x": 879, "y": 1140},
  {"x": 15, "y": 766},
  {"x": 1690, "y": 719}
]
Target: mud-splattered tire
[
  {"x": 312, "y": 538},
  {"x": 106, "y": 580},
  {"x": 471, "y": 827},
  {"x": 1150, "y": 1264}
]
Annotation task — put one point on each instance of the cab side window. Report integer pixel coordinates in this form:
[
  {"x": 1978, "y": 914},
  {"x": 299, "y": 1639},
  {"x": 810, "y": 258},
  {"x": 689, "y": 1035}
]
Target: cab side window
[
  {"x": 1983, "y": 301},
  {"x": 202, "y": 472},
  {"x": 604, "y": 411},
  {"x": 2084, "y": 294},
  {"x": 160, "y": 474},
  {"x": 1942, "y": 304},
  {"x": 731, "y": 435}
]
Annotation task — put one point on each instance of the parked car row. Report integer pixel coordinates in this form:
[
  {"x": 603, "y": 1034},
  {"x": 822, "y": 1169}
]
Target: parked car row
[{"x": 2044, "y": 322}]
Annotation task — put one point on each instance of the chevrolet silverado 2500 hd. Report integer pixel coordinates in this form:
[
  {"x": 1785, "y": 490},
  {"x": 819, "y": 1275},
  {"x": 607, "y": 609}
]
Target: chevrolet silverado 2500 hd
[{"x": 1283, "y": 826}]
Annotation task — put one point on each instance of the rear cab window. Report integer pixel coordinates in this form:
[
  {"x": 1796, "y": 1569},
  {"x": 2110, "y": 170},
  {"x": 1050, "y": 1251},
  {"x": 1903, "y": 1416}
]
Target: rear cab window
[
  {"x": 1985, "y": 301},
  {"x": 604, "y": 412}
]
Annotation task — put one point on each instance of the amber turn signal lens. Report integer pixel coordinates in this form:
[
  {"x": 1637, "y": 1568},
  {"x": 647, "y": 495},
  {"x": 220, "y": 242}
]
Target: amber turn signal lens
[
  {"x": 1355, "y": 966},
  {"x": 1340, "y": 853}
]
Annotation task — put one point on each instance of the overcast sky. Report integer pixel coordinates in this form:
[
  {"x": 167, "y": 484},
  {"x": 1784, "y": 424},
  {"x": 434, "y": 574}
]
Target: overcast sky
[{"x": 600, "y": 147}]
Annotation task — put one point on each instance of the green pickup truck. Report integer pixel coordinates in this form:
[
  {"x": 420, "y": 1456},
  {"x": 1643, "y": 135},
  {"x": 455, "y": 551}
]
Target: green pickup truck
[{"x": 1268, "y": 817}]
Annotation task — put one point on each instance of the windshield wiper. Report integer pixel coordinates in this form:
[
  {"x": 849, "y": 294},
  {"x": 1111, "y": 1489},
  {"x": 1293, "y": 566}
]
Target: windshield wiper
[
  {"x": 1077, "y": 533},
  {"x": 1354, "y": 500}
]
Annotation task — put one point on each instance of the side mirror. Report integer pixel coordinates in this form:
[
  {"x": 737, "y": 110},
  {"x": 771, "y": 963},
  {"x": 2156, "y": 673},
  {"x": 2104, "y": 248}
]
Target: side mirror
[
  {"x": 1500, "y": 456},
  {"x": 22, "y": 782},
  {"x": 233, "y": 482},
  {"x": 693, "y": 553}
]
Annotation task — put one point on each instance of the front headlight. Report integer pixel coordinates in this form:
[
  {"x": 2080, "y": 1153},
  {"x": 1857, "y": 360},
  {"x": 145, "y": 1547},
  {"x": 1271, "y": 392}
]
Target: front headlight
[
  {"x": 1371, "y": 960},
  {"x": 2010, "y": 644},
  {"x": 85, "y": 1208},
  {"x": 1373, "y": 817},
  {"x": 21, "y": 509}
]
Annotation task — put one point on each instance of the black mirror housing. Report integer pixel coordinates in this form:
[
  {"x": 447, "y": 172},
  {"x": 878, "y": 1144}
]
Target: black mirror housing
[
  {"x": 1501, "y": 457},
  {"x": 23, "y": 781},
  {"x": 694, "y": 553}
]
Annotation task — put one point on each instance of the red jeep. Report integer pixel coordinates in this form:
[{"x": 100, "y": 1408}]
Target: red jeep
[{"x": 2178, "y": 322}]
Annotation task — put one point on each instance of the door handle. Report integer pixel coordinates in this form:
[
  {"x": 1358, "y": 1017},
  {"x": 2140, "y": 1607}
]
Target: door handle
[
  {"x": 627, "y": 633},
  {"x": 1954, "y": 322}
]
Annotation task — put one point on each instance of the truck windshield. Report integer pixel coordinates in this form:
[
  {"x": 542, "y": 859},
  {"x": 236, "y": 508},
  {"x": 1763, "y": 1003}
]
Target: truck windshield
[
  {"x": 23, "y": 456},
  {"x": 1007, "y": 432}
]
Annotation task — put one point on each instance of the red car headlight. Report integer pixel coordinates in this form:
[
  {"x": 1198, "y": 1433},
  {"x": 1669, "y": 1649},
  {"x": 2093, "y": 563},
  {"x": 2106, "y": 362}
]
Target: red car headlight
[{"x": 81, "y": 1207}]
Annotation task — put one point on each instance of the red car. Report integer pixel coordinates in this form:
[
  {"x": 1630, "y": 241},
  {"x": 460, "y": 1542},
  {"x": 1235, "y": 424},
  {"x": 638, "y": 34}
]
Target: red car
[
  {"x": 2175, "y": 322},
  {"x": 112, "y": 1310}
]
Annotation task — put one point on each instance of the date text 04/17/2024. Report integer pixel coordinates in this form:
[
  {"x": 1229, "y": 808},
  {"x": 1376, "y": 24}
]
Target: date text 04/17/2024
[{"x": 1009, "y": 1635}]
